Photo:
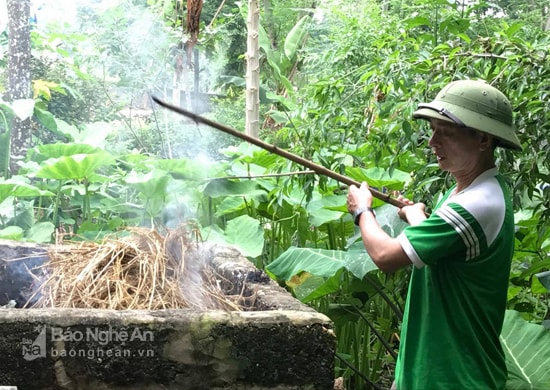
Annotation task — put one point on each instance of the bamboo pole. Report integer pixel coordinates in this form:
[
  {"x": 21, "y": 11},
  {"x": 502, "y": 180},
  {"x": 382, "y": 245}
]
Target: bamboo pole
[{"x": 319, "y": 169}]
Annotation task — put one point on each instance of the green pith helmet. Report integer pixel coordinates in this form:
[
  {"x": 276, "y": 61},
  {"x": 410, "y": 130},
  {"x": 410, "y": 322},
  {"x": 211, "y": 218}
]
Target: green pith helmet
[{"x": 474, "y": 104}]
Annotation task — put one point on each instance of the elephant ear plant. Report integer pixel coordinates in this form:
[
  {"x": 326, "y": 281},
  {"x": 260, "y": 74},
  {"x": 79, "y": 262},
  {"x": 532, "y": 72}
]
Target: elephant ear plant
[
  {"x": 74, "y": 171},
  {"x": 152, "y": 190}
]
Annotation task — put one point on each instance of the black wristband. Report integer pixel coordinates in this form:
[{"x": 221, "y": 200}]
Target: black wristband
[{"x": 357, "y": 213}]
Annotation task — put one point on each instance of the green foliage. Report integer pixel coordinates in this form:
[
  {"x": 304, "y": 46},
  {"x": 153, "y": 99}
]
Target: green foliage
[
  {"x": 325, "y": 263},
  {"x": 347, "y": 286},
  {"x": 283, "y": 62},
  {"x": 243, "y": 232},
  {"x": 526, "y": 294},
  {"x": 75, "y": 97},
  {"x": 17, "y": 216},
  {"x": 525, "y": 346},
  {"x": 78, "y": 189},
  {"x": 224, "y": 42}
]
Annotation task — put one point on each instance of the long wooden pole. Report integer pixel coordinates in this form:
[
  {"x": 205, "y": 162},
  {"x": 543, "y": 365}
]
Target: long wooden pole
[{"x": 281, "y": 152}]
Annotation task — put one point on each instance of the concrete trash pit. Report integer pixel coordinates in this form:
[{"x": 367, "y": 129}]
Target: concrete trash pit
[{"x": 275, "y": 343}]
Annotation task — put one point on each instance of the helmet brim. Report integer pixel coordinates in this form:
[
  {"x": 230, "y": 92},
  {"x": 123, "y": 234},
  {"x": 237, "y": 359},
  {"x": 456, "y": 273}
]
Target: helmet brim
[{"x": 505, "y": 134}]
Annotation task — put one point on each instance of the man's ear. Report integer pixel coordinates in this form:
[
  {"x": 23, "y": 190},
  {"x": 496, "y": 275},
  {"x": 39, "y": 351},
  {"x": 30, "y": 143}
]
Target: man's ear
[{"x": 486, "y": 141}]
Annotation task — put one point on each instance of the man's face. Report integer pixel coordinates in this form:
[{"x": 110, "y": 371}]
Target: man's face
[{"x": 457, "y": 148}]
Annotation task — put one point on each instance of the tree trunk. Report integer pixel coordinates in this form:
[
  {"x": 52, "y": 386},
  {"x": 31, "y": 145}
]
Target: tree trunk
[
  {"x": 19, "y": 76},
  {"x": 253, "y": 70}
]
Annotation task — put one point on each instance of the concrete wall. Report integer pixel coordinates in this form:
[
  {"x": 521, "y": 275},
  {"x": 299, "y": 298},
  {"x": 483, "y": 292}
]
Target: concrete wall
[{"x": 276, "y": 343}]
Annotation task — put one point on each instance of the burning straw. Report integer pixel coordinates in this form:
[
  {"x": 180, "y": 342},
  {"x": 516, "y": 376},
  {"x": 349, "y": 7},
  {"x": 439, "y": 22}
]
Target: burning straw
[{"x": 142, "y": 270}]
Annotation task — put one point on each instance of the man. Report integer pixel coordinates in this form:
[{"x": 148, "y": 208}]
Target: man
[{"x": 461, "y": 253}]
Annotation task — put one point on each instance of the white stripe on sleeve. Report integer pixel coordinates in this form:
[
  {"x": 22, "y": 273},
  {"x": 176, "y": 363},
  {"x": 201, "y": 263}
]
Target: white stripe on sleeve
[
  {"x": 410, "y": 251},
  {"x": 463, "y": 228}
]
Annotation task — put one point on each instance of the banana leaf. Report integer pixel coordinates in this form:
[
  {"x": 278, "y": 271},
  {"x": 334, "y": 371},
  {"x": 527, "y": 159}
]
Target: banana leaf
[
  {"x": 295, "y": 38},
  {"x": 527, "y": 349}
]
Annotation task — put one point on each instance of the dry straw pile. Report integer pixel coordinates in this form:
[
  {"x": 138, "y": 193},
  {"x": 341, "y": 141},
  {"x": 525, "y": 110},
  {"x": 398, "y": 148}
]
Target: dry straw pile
[{"x": 142, "y": 270}]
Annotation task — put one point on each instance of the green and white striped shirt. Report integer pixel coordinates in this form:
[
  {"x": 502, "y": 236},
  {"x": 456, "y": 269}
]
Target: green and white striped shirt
[{"x": 457, "y": 294}]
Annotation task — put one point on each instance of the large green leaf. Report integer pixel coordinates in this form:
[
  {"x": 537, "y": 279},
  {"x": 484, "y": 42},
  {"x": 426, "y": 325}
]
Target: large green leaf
[
  {"x": 40, "y": 232},
  {"x": 389, "y": 220},
  {"x": 70, "y": 131},
  {"x": 46, "y": 118},
  {"x": 527, "y": 348},
  {"x": 59, "y": 150},
  {"x": 17, "y": 188},
  {"x": 12, "y": 233},
  {"x": 250, "y": 154},
  {"x": 378, "y": 177},
  {"x": 314, "y": 287},
  {"x": 325, "y": 263},
  {"x": 358, "y": 261},
  {"x": 77, "y": 166},
  {"x": 245, "y": 233},
  {"x": 320, "y": 262},
  {"x": 224, "y": 187},
  {"x": 23, "y": 215},
  {"x": 322, "y": 266},
  {"x": 153, "y": 189},
  {"x": 544, "y": 278},
  {"x": 152, "y": 184},
  {"x": 230, "y": 205},
  {"x": 185, "y": 169},
  {"x": 295, "y": 38},
  {"x": 326, "y": 209},
  {"x": 322, "y": 216}
]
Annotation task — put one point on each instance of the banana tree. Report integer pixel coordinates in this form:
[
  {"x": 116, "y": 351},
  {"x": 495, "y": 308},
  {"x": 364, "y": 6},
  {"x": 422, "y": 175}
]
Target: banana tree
[
  {"x": 280, "y": 66},
  {"x": 284, "y": 63}
]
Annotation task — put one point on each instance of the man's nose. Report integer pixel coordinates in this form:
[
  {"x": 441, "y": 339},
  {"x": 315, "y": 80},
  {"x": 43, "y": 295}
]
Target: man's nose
[{"x": 433, "y": 138}]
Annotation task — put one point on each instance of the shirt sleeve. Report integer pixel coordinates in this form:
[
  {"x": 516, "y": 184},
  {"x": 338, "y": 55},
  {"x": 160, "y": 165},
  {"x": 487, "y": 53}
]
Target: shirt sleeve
[{"x": 448, "y": 233}]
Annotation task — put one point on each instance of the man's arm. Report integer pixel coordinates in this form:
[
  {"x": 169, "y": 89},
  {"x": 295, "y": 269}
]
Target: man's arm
[{"x": 385, "y": 251}]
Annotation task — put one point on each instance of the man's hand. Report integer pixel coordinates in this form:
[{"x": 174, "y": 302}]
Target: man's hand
[
  {"x": 359, "y": 197},
  {"x": 413, "y": 213},
  {"x": 385, "y": 251}
]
